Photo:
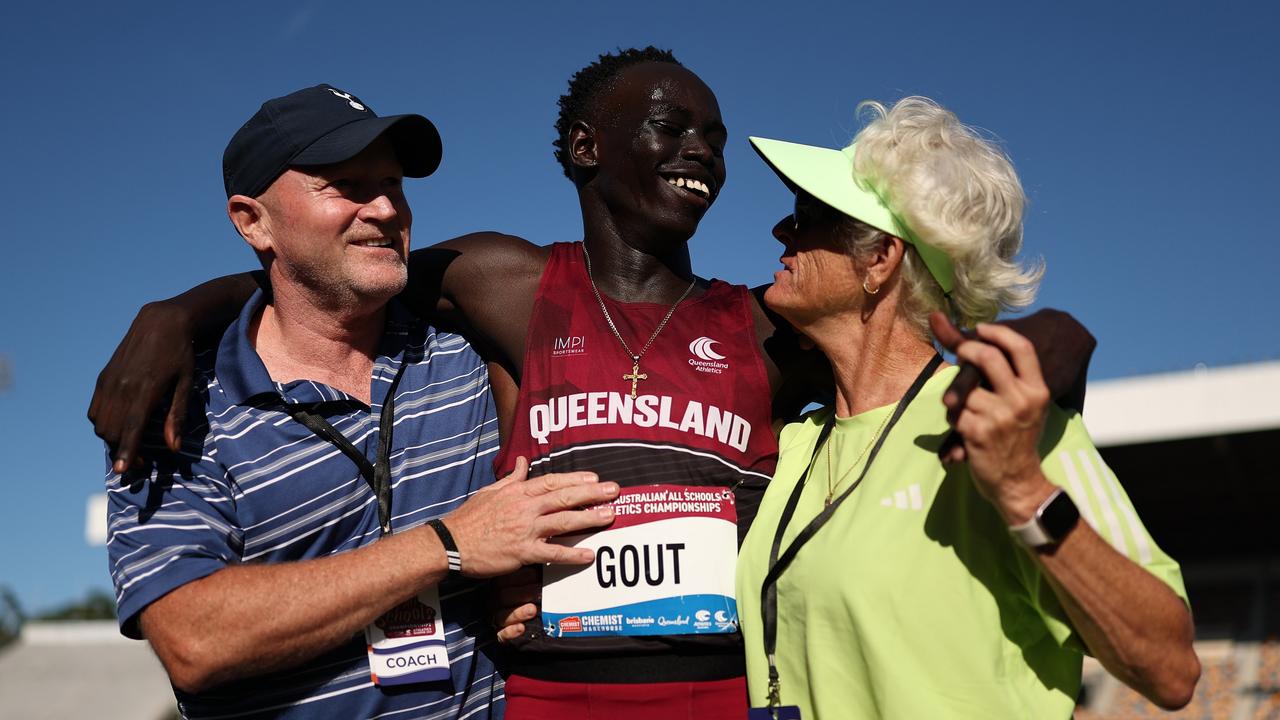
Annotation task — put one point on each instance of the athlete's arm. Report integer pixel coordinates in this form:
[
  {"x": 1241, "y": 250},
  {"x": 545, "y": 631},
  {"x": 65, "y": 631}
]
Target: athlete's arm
[
  {"x": 483, "y": 283},
  {"x": 251, "y": 619},
  {"x": 506, "y": 392},
  {"x": 486, "y": 282},
  {"x": 154, "y": 362},
  {"x": 798, "y": 376}
]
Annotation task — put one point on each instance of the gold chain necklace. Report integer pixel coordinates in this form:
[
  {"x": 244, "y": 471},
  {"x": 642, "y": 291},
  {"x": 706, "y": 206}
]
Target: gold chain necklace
[
  {"x": 635, "y": 376},
  {"x": 831, "y": 487}
]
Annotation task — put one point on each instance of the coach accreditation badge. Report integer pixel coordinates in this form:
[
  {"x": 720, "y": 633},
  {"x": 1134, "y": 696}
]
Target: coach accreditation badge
[
  {"x": 665, "y": 567},
  {"x": 406, "y": 644}
]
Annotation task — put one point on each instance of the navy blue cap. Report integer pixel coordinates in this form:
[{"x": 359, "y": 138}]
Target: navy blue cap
[{"x": 321, "y": 125}]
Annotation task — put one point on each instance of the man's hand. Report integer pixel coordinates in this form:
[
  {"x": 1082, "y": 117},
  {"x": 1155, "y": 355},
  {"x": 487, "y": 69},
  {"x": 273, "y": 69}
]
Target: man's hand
[
  {"x": 155, "y": 361},
  {"x": 1001, "y": 426},
  {"x": 506, "y": 525},
  {"x": 515, "y": 602}
]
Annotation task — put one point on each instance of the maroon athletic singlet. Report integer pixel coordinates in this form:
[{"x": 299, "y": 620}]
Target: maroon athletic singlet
[{"x": 702, "y": 417}]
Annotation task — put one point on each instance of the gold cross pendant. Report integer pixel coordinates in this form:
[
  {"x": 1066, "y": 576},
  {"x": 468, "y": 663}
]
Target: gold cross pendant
[{"x": 635, "y": 377}]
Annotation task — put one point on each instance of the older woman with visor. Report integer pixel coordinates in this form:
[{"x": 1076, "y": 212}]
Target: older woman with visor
[{"x": 879, "y": 580}]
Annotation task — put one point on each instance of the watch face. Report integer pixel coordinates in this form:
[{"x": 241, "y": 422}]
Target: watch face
[{"x": 1059, "y": 516}]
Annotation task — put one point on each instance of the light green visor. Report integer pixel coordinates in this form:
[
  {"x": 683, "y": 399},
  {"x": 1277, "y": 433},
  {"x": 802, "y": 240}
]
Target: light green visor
[{"x": 828, "y": 175}]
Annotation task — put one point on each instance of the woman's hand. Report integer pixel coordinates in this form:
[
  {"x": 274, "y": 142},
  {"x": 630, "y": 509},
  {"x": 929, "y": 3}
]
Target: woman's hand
[{"x": 1001, "y": 426}]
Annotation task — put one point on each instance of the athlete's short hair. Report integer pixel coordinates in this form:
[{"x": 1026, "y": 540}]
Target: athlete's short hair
[
  {"x": 589, "y": 83},
  {"x": 960, "y": 193}
]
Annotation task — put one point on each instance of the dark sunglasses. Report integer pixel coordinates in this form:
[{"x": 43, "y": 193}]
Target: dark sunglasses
[{"x": 810, "y": 212}]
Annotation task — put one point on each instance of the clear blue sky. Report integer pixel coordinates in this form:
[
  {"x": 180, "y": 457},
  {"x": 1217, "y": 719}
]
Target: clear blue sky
[{"x": 1145, "y": 133}]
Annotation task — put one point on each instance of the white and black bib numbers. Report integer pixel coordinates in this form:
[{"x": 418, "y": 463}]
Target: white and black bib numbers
[{"x": 665, "y": 567}]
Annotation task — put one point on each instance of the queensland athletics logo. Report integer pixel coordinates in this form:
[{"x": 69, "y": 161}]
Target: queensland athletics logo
[{"x": 705, "y": 358}]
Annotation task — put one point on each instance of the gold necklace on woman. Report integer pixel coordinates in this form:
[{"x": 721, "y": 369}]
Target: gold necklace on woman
[
  {"x": 635, "y": 376},
  {"x": 831, "y": 486}
]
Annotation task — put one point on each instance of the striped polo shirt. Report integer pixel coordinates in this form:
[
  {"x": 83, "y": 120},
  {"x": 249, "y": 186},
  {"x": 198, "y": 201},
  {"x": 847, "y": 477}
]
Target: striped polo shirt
[{"x": 253, "y": 485}]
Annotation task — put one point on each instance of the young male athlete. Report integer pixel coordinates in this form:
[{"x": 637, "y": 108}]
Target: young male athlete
[{"x": 628, "y": 364}]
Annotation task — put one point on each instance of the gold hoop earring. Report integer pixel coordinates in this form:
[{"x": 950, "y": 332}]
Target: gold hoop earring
[{"x": 868, "y": 290}]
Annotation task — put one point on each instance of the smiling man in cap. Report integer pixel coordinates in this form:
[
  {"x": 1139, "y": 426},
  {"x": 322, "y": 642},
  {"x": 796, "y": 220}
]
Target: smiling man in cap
[{"x": 309, "y": 551}]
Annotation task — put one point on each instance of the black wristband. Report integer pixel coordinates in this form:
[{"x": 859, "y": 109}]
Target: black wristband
[{"x": 450, "y": 547}]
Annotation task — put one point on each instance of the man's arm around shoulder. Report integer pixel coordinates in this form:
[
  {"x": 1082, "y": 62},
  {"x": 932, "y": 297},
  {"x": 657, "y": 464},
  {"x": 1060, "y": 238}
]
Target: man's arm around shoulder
[{"x": 457, "y": 277}]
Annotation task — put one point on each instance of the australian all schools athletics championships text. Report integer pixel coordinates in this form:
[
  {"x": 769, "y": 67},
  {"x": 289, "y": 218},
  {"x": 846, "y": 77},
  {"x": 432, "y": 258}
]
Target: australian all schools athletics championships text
[
  {"x": 614, "y": 408},
  {"x": 660, "y": 502}
]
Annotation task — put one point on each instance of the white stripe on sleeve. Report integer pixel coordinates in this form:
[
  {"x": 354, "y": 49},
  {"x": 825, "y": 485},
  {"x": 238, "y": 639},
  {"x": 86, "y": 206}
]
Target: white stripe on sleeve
[
  {"x": 1130, "y": 517},
  {"x": 1077, "y": 489},
  {"x": 1115, "y": 535}
]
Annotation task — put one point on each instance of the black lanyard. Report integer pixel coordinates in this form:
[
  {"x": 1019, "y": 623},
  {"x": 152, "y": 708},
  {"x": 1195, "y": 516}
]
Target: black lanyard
[
  {"x": 779, "y": 563},
  {"x": 377, "y": 474}
]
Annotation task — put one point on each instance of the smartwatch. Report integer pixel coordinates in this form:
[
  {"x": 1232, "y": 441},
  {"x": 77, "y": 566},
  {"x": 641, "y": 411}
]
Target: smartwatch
[{"x": 1055, "y": 517}]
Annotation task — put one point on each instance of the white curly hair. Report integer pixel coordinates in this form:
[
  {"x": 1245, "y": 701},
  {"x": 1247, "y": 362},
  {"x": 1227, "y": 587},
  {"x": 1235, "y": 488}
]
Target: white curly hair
[{"x": 958, "y": 192}]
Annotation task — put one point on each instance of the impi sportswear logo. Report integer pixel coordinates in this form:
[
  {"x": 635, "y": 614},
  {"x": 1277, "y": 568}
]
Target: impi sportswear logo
[
  {"x": 706, "y": 359},
  {"x": 569, "y": 345}
]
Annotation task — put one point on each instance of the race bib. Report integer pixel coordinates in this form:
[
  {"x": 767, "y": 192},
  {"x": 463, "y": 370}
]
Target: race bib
[
  {"x": 664, "y": 567},
  {"x": 406, "y": 644}
]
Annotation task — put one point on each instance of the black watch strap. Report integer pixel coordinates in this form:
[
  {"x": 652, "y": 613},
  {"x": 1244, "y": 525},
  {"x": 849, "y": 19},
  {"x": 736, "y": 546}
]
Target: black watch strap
[{"x": 450, "y": 547}]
